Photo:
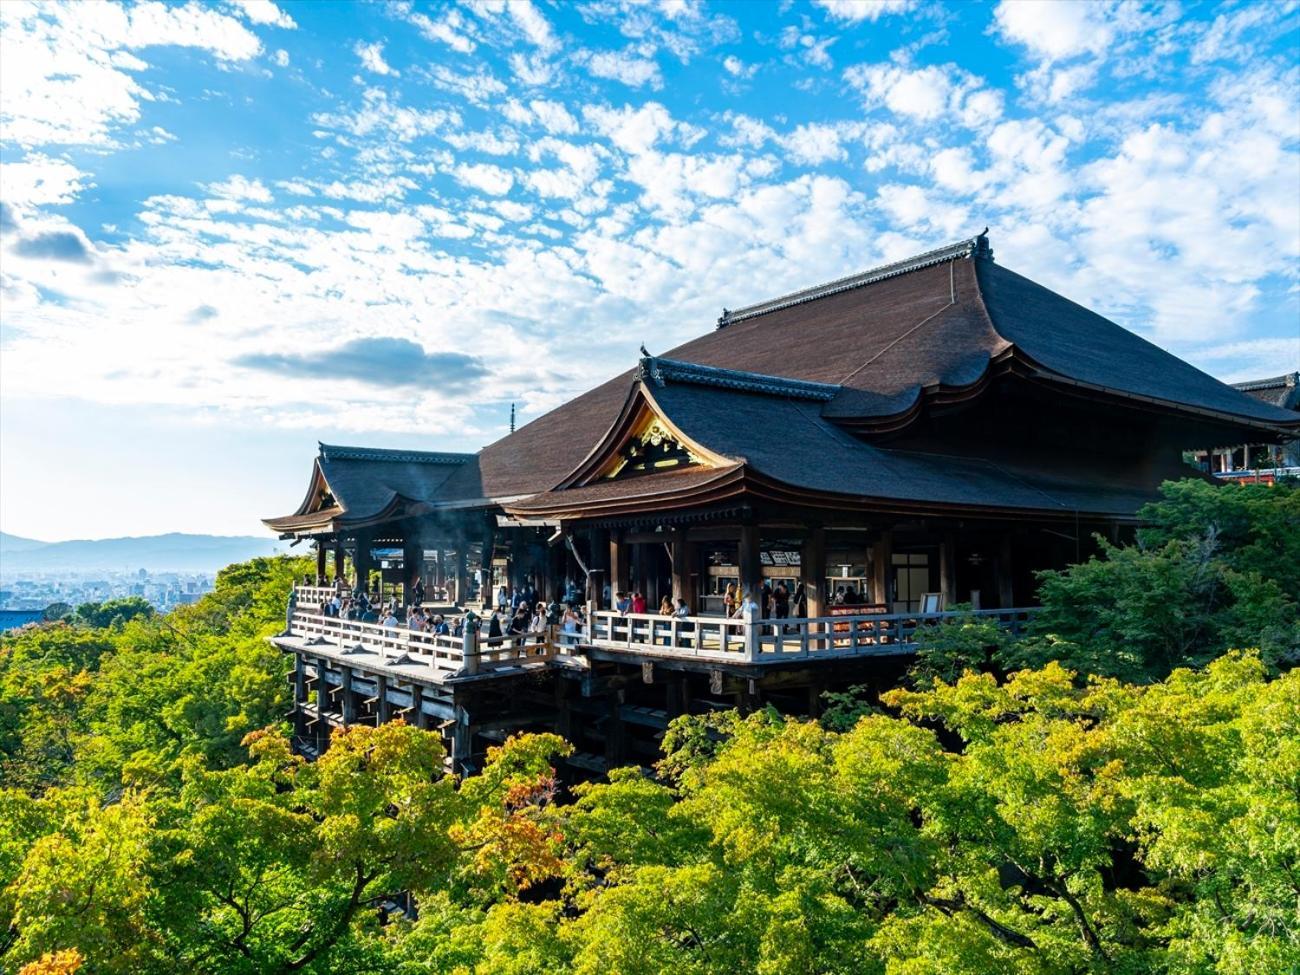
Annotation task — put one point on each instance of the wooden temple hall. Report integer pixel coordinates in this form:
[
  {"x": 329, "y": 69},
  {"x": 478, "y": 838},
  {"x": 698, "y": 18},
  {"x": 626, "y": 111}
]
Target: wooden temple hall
[{"x": 884, "y": 447}]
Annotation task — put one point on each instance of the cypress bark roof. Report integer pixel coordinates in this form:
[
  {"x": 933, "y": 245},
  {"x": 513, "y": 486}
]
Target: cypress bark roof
[
  {"x": 352, "y": 486},
  {"x": 864, "y": 354},
  {"x": 941, "y": 325}
]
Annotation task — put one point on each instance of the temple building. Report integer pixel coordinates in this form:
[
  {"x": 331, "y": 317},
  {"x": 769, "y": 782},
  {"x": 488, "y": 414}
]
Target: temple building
[
  {"x": 888, "y": 446},
  {"x": 1258, "y": 462}
]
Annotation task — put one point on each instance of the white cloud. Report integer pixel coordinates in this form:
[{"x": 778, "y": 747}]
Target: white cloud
[
  {"x": 240, "y": 188},
  {"x": 485, "y": 177},
  {"x": 39, "y": 181},
  {"x": 555, "y": 118},
  {"x": 372, "y": 58},
  {"x": 450, "y": 29},
  {"x": 808, "y": 47},
  {"x": 626, "y": 67},
  {"x": 856, "y": 11},
  {"x": 738, "y": 68},
  {"x": 68, "y": 71},
  {"x": 264, "y": 12},
  {"x": 814, "y": 143},
  {"x": 925, "y": 93},
  {"x": 1058, "y": 30},
  {"x": 281, "y": 58}
]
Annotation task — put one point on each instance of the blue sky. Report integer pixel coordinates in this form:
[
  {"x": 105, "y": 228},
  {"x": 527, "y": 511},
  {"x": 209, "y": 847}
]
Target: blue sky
[{"x": 230, "y": 230}]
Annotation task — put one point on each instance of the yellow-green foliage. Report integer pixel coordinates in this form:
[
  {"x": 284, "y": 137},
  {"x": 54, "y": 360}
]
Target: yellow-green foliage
[{"x": 1046, "y": 823}]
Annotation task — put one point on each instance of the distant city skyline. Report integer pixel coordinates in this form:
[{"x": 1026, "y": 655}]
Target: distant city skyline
[{"x": 230, "y": 230}]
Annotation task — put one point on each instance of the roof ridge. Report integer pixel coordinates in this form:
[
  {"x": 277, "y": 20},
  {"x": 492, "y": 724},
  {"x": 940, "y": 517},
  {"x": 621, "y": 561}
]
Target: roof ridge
[
  {"x": 1287, "y": 379},
  {"x": 396, "y": 455},
  {"x": 660, "y": 371},
  {"x": 977, "y": 246}
]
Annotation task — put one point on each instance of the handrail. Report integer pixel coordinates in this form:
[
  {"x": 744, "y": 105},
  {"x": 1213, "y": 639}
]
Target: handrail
[
  {"x": 444, "y": 654},
  {"x": 749, "y": 639}
]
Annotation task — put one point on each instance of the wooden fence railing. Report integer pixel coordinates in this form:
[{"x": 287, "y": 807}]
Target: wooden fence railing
[
  {"x": 746, "y": 640},
  {"x": 447, "y": 656},
  {"x": 767, "y": 641}
]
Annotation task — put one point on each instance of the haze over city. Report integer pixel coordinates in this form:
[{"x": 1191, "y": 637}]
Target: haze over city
[{"x": 231, "y": 230}]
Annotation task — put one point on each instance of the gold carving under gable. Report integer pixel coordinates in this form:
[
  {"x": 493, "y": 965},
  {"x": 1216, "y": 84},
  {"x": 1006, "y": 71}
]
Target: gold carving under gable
[{"x": 655, "y": 450}]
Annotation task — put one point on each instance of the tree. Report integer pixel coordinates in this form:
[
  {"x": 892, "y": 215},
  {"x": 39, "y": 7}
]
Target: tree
[{"x": 113, "y": 612}]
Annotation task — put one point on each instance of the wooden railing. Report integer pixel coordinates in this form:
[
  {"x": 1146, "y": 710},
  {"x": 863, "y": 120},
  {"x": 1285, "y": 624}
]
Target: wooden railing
[
  {"x": 754, "y": 640},
  {"x": 746, "y": 640},
  {"x": 445, "y": 655},
  {"x": 311, "y": 597}
]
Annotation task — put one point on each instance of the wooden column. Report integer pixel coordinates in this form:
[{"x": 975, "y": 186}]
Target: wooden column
[
  {"x": 299, "y": 695},
  {"x": 461, "y": 591},
  {"x": 320, "y": 562},
  {"x": 384, "y": 708},
  {"x": 348, "y": 700},
  {"x": 618, "y": 564},
  {"x": 462, "y": 742},
  {"x": 948, "y": 570},
  {"x": 412, "y": 567},
  {"x": 681, "y": 566},
  {"x": 339, "y": 563},
  {"x": 322, "y": 707},
  {"x": 812, "y": 571},
  {"x": 598, "y": 566},
  {"x": 362, "y": 562},
  {"x": 1003, "y": 572},
  {"x": 749, "y": 563},
  {"x": 882, "y": 553}
]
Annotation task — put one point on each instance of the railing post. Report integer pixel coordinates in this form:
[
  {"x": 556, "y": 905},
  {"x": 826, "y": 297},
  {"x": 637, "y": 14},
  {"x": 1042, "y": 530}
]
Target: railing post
[
  {"x": 289, "y": 610},
  {"x": 469, "y": 647},
  {"x": 751, "y": 617}
]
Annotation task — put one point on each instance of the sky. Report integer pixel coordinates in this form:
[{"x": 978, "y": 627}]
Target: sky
[{"x": 231, "y": 230}]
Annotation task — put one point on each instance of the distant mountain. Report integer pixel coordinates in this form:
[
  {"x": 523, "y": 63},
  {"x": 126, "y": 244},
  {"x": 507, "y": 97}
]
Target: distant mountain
[
  {"x": 16, "y": 543},
  {"x": 173, "y": 552}
]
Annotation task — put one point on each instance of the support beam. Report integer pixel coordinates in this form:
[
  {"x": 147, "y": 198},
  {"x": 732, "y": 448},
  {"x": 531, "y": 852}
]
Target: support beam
[
  {"x": 348, "y": 697},
  {"x": 363, "y": 562},
  {"x": 750, "y": 565},
  {"x": 812, "y": 570},
  {"x": 948, "y": 570},
  {"x": 385, "y": 709},
  {"x": 320, "y": 562},
  {"x": 882, "y": 556},
  {"x": 681, "y": 568},
  {"x": 462, "y": 743},
  {"x": 618, "y": 564},
  {"x": 339, "y": 563},
  {"x": 1003, "y": 572},
  {"x": 412, "y": 567},
  {"x": 461, "y": 592},
  {"x": 598, "y": 566}
]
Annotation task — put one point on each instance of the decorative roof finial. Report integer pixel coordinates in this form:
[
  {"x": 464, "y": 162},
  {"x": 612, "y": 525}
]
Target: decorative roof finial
[{"x": 644, "y": 353}]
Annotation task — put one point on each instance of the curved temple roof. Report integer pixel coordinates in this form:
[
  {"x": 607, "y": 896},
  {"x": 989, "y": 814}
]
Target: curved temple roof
[
  {"x": 865, "y": 353},
  {"x": 354, "y": 486}
]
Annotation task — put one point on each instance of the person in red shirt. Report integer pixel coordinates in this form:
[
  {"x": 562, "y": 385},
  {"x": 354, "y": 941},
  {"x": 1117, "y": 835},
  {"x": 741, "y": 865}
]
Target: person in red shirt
[{"x": 638, "y": 602}]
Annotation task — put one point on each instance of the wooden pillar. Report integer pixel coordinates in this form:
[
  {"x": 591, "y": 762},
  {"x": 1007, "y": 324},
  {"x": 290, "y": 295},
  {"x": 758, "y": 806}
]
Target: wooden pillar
[
  {"x": 339, "y": 564},
  {"x": 1003, "y": 572},
  {"x": 412, "y": 567},
  {"x": 461, "y": 592},
  {"x": 362, "y": 562},
  {"x": 618, "y": 564},
  {"x": 882, "y": 554},
  {"x": 598, "y": 566},
  {"x": 299, "y": 695},
  {"x": 322, "y": 707},
  {"x": 749, "y": 563},
  {"x": 348, "y": 699},
  {"x": 812, "y": 571},
  {"x": 681, "y": 568},
  {"x": 320, "y": 562},
  {"x": 462, "y": 742},
  {"x": 418, "y": 718},
  {"x": 948, "y": 570},
  {"x": 384, "y": 708}
]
